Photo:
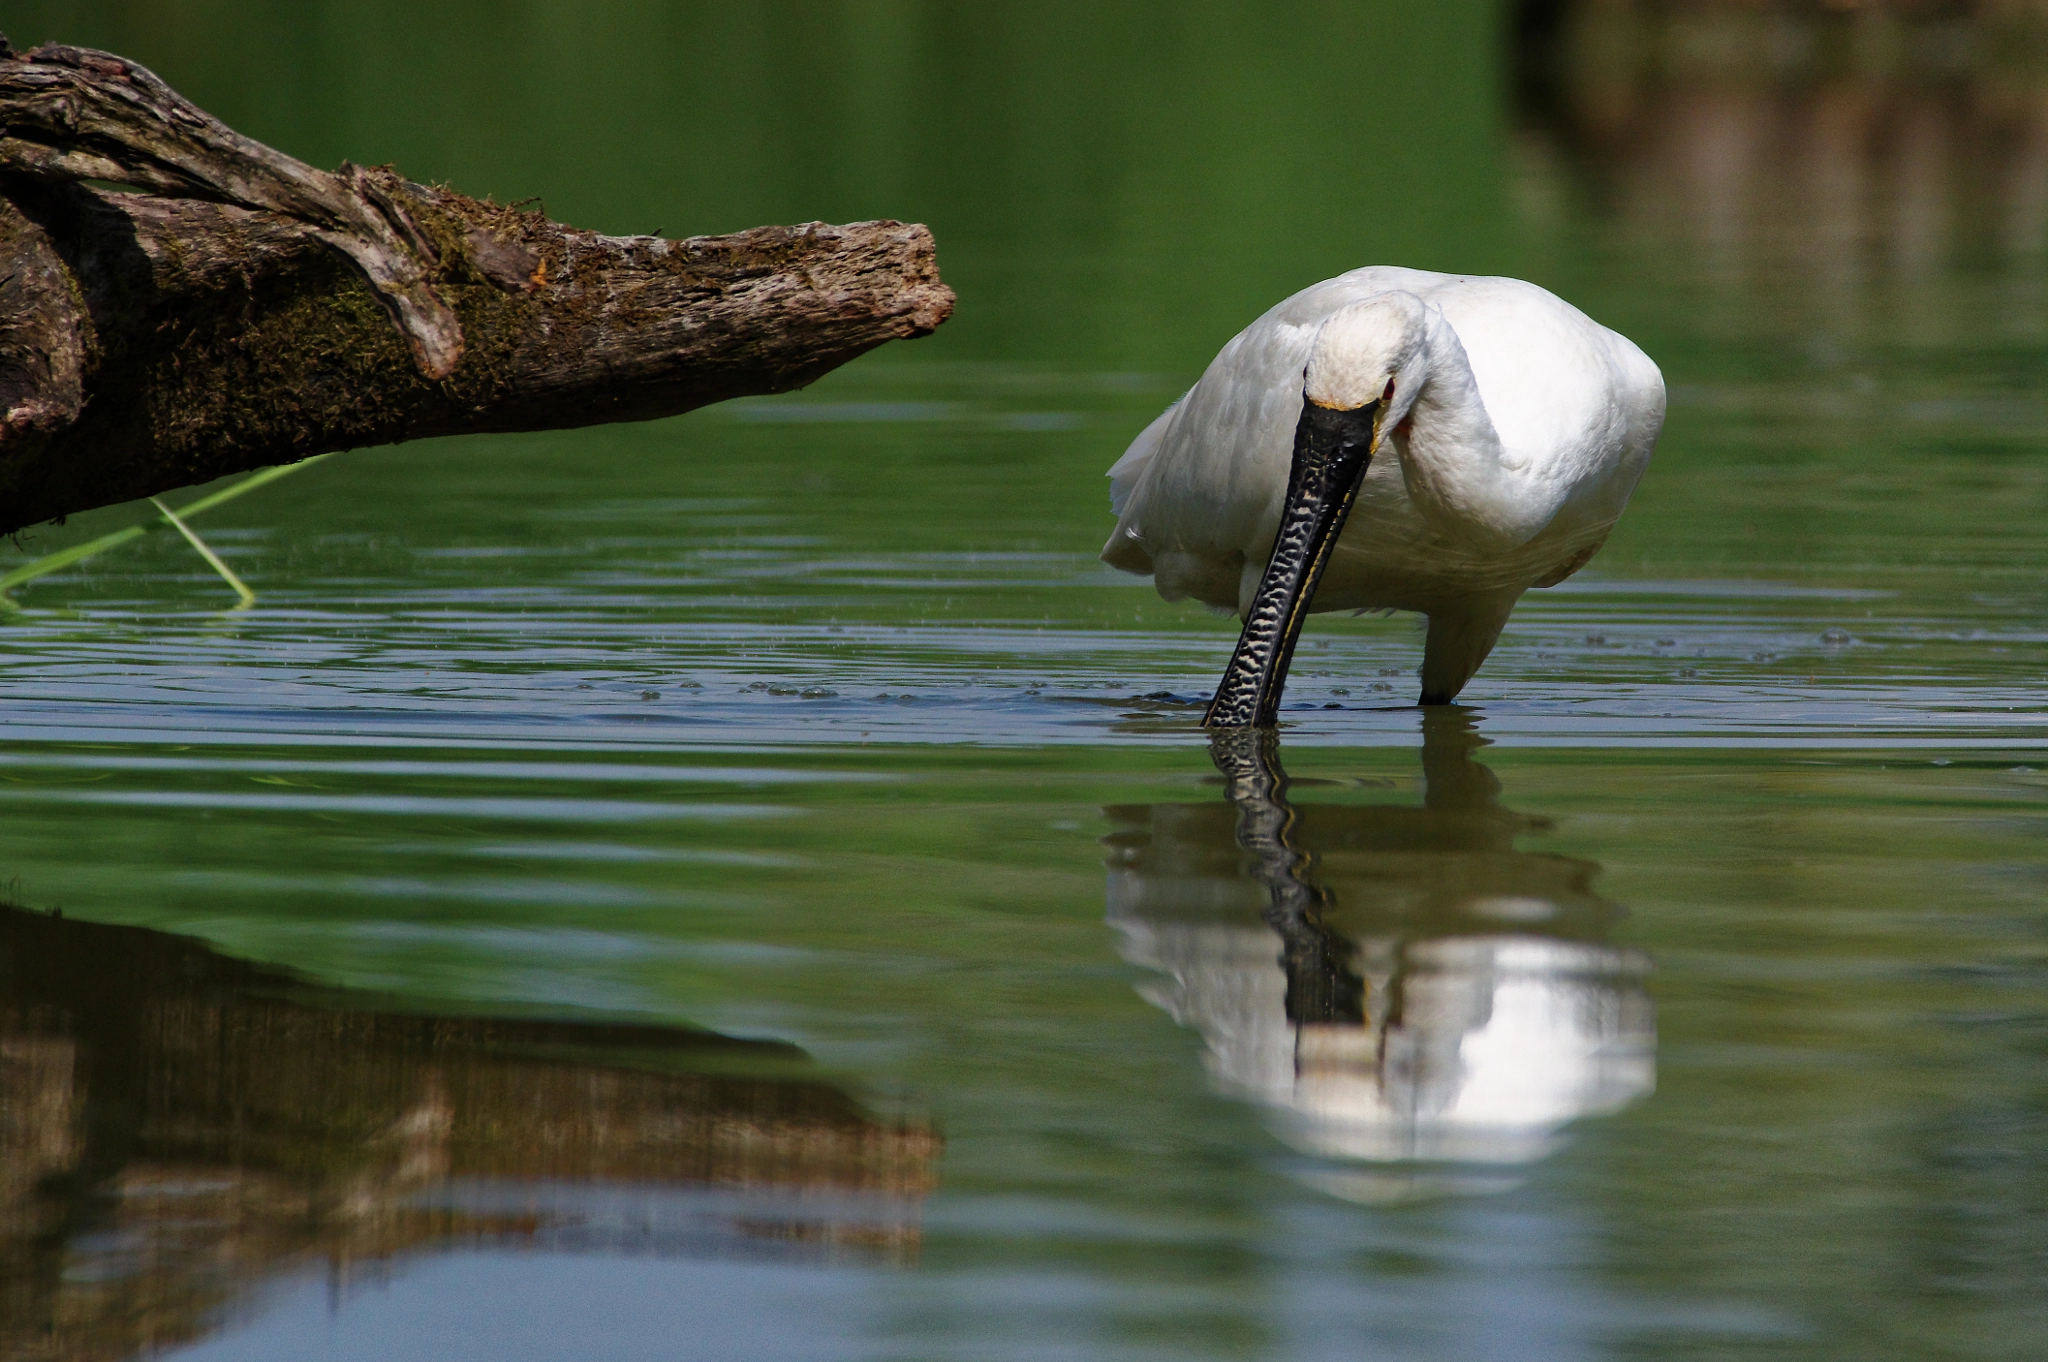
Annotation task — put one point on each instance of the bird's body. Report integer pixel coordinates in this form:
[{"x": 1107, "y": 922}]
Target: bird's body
[{"x": 1518, "y": 432}]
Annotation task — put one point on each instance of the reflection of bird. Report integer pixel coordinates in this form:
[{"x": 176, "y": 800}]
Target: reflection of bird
[
  {"x": 1436, "y": 994},
  {"x": 1519, "y": 427}
]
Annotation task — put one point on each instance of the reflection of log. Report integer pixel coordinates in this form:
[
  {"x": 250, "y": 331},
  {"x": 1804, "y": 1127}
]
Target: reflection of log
[
  {"x": 177, "y": 1127},
  {"x": 1839, "y": 176},
  {"x": 246, "y": 309}
]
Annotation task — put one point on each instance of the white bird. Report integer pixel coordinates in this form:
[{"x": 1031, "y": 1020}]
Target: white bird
[{"x": 1518, "y": 425}]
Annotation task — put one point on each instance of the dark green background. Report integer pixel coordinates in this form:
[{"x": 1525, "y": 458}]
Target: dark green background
[{"x": 1833, "y": 850}]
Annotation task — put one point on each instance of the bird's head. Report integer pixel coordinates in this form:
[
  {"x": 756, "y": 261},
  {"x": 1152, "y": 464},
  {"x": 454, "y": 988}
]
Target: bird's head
[
  {"x": 1365, "y": 370},
  {"x": 1370, "y": 352}
]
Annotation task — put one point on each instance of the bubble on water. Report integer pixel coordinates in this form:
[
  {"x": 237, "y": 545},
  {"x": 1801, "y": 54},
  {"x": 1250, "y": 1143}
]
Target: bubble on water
[
  {"x": 1687, "y": 673},
  {"x": 650, "y": 695},
  {"x": 819, "y": 693},
  {"x": 1667, "y": 643},
  {"x": 1837, "y": 638},
  {"x": 2022, "y": 770},
  {"x": 1339, "y": 690},
  {"x": 1939, "y": 761}
]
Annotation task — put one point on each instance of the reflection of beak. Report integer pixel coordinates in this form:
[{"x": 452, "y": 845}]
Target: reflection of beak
[{"x": 1331, "y": 451}]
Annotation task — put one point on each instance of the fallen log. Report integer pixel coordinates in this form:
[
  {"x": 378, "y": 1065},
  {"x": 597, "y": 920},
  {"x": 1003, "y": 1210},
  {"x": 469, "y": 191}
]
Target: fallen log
[{"x": 178, "y": 302}]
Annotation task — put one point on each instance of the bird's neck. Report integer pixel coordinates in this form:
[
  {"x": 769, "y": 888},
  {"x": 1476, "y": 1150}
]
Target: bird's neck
[{"x": 1457, "y": 474}]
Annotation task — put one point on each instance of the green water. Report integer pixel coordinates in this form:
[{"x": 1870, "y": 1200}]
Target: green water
[{"x": 815, "y": 721}]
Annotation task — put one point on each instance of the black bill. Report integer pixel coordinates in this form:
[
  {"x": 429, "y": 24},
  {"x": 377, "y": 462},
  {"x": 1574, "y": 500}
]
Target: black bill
[
  {"x": 1331, "y": 451},
  {"x": 1322, "y": 987}
]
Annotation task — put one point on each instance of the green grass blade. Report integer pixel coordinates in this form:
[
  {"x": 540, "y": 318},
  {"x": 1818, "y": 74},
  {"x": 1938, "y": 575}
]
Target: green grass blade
[
  {"x": 248, "y": 484},
  {"x": 213, "y": 559},
  {"x": 64, "y": 558}
]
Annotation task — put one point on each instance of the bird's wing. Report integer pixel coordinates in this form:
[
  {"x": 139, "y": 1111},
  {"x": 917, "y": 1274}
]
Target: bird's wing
[
  {"x": 1200, "y": 479},
  {"x": 1580, "y": 557}
]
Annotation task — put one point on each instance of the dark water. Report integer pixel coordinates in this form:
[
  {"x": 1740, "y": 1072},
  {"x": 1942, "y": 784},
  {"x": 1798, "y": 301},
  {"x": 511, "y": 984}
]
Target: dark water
[{"x": 750, "y": 885}]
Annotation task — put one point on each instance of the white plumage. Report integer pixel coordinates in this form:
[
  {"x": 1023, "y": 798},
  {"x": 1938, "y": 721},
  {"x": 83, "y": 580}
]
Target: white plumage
[{"x": 1517, "y": 426}]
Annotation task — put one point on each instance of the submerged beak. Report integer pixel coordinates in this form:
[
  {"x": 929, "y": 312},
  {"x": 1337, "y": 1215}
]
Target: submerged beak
[{"x": 1331, "y": 451}]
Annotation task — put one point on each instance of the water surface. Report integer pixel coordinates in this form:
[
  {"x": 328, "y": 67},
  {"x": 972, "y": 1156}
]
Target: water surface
[{"x": 751, "y": 885}]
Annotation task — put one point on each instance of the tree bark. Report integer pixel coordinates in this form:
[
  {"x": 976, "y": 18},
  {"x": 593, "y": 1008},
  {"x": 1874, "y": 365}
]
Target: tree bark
[{"x": 228, "y": 307}]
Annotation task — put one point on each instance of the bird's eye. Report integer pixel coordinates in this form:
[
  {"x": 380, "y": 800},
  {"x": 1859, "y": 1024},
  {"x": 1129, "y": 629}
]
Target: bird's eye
[{"x": 1388, "y": 395}]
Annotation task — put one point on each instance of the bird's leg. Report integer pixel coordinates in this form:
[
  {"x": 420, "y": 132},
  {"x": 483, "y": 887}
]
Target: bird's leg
[
  {"x": 1331, "y": 451},
  {"x": 1460, "y": 636}
]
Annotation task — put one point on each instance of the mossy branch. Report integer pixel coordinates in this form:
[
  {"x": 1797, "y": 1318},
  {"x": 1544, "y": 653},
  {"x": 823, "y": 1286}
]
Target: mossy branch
[{"x": 239, "y": 308}]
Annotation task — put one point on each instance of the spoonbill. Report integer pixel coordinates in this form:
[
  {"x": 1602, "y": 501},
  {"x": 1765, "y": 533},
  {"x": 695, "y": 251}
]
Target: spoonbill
[{"x": 1518, "y": 427}]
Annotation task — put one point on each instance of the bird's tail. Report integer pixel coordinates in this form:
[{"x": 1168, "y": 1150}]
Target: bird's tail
[{"x": 1126, "y": 547}]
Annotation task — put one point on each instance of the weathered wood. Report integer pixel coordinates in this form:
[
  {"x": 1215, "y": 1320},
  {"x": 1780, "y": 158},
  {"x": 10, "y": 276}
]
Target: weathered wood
[{"x": 231, "y": 307}]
